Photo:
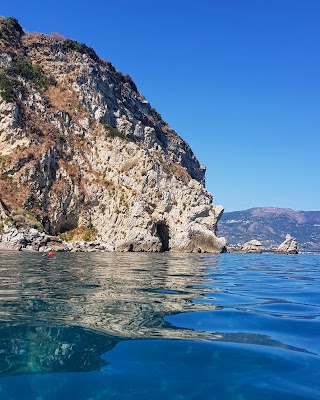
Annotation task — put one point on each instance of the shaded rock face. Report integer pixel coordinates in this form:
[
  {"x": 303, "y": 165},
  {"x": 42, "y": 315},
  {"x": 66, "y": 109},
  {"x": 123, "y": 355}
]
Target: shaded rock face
[
  {"x": 253, "y": 246},
  {"x": 83, "y": 152},
  {"x": 289, "y": 246}
]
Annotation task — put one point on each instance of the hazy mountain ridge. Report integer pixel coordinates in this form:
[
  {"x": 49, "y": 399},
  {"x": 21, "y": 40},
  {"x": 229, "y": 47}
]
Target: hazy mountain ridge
[{"x": 270, "y": 225}]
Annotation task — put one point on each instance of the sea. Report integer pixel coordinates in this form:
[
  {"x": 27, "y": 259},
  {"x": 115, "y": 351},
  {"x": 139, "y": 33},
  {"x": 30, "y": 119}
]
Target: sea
[{"x": 135, "y": 326}]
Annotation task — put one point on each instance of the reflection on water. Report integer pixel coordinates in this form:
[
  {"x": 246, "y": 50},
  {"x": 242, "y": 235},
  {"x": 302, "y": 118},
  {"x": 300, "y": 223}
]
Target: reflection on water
[
  {"x": 70, "y": 312},
  {"x": 62, "y": 313},
  {"x": 119, "y": 294}
]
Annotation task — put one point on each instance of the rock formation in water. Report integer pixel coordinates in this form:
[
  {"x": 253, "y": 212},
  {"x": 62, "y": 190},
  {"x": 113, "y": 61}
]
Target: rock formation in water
[
  {"x": 289, "y": 246},
  {"x": 253, "y": 246},
  {"x": 85, "y": 156},
  {"x": 270, "y": 225}
]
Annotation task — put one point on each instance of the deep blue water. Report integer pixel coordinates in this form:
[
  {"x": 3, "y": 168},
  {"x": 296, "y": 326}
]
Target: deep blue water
[{"x": 159, "y": 326}]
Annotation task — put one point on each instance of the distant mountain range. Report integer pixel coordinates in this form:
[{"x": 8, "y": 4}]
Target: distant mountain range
[{"x": 270, "y": 225}]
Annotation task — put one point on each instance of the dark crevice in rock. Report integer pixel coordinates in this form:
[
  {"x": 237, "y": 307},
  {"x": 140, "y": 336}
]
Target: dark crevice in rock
[{"x": 163, "y": 233}]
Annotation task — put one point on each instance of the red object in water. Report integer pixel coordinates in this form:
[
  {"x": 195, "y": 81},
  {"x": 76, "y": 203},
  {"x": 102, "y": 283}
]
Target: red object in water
[{"x": 51, "y": 254}]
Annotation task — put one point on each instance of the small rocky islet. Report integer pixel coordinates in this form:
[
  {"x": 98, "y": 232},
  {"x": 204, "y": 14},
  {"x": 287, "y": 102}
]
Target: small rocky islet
[{"x": 288, "y": 246}]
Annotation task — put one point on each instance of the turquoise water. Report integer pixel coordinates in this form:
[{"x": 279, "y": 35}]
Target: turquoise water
[{"x": 159, "y": 326}]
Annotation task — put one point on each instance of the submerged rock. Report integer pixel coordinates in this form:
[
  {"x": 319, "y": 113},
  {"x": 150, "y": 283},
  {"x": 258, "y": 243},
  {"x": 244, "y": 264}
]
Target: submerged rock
[
  {"x": 289, "y": 246},
  {"x": 82, "y": 149}
]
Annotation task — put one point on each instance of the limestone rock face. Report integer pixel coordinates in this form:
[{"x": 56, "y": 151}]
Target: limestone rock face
[
  {"x": 85, "y": 156},
  {"x": 289, "y": 246},
  {"x": 253, "y": 246}
]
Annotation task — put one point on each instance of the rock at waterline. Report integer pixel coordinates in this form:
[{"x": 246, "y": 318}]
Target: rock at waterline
[
  {"x": 253, "y": 246},
  {"x": 289, "y": 246}
]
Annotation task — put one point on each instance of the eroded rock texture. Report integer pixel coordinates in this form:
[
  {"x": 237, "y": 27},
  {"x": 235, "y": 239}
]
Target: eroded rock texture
[
  {"x": 83, "y": 154},
  {"x": 288, "y": 246}
]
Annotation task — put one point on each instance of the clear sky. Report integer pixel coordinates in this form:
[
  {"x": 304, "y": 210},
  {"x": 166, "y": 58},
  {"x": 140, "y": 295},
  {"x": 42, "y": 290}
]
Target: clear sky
[{"x": 239, "y": 80}]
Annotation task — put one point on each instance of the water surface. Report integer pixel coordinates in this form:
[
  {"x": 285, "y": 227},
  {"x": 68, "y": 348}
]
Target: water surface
[{"x": 159, "y": 326}]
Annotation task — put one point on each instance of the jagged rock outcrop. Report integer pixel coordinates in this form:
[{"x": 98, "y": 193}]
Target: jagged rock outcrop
[
  {"x": 289, "y": 246},
  {"x": 253, "y": 246},
  {"x": 83, "y": 154}
]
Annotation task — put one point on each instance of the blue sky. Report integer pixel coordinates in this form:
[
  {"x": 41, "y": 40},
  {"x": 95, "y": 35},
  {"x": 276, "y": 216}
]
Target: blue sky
[{"x": 237, "y": 79}]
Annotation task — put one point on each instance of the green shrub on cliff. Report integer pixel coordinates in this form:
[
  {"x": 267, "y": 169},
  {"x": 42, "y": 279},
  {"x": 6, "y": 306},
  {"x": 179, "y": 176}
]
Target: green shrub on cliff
[
  {"x": 9, "y": 27},
  {"x": 6, "y": 88},
  {"x": 113, "y": 132},
  {"x": 80, "y": 233},
  {"x": 157, "y": 116},
  {"x": 23, "y": 67},
  {"x": 89, "y": 235},
  {"x": 81, "y": 48},
  {"x": 12, "y": 23}
]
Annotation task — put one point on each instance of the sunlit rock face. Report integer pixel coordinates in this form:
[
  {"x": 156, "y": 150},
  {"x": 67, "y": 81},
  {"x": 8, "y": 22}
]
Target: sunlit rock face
[
  {"x": 253, "y": 246},
  {"x": 85, "y": 155},
  {"x": 288, "y": 246}
]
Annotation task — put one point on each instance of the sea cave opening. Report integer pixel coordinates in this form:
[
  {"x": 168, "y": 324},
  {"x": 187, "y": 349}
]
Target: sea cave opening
[
  {"x": 64, "y": 224},
  {"x": 163, "y": 233}
]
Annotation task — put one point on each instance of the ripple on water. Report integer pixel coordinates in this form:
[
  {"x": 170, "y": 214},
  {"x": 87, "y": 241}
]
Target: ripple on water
[{"x": 134, "y": 326}]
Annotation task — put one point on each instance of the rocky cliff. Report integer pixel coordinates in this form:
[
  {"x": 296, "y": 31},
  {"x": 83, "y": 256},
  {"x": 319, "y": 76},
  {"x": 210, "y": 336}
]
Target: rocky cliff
[{"x": 85, "y": 156}]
